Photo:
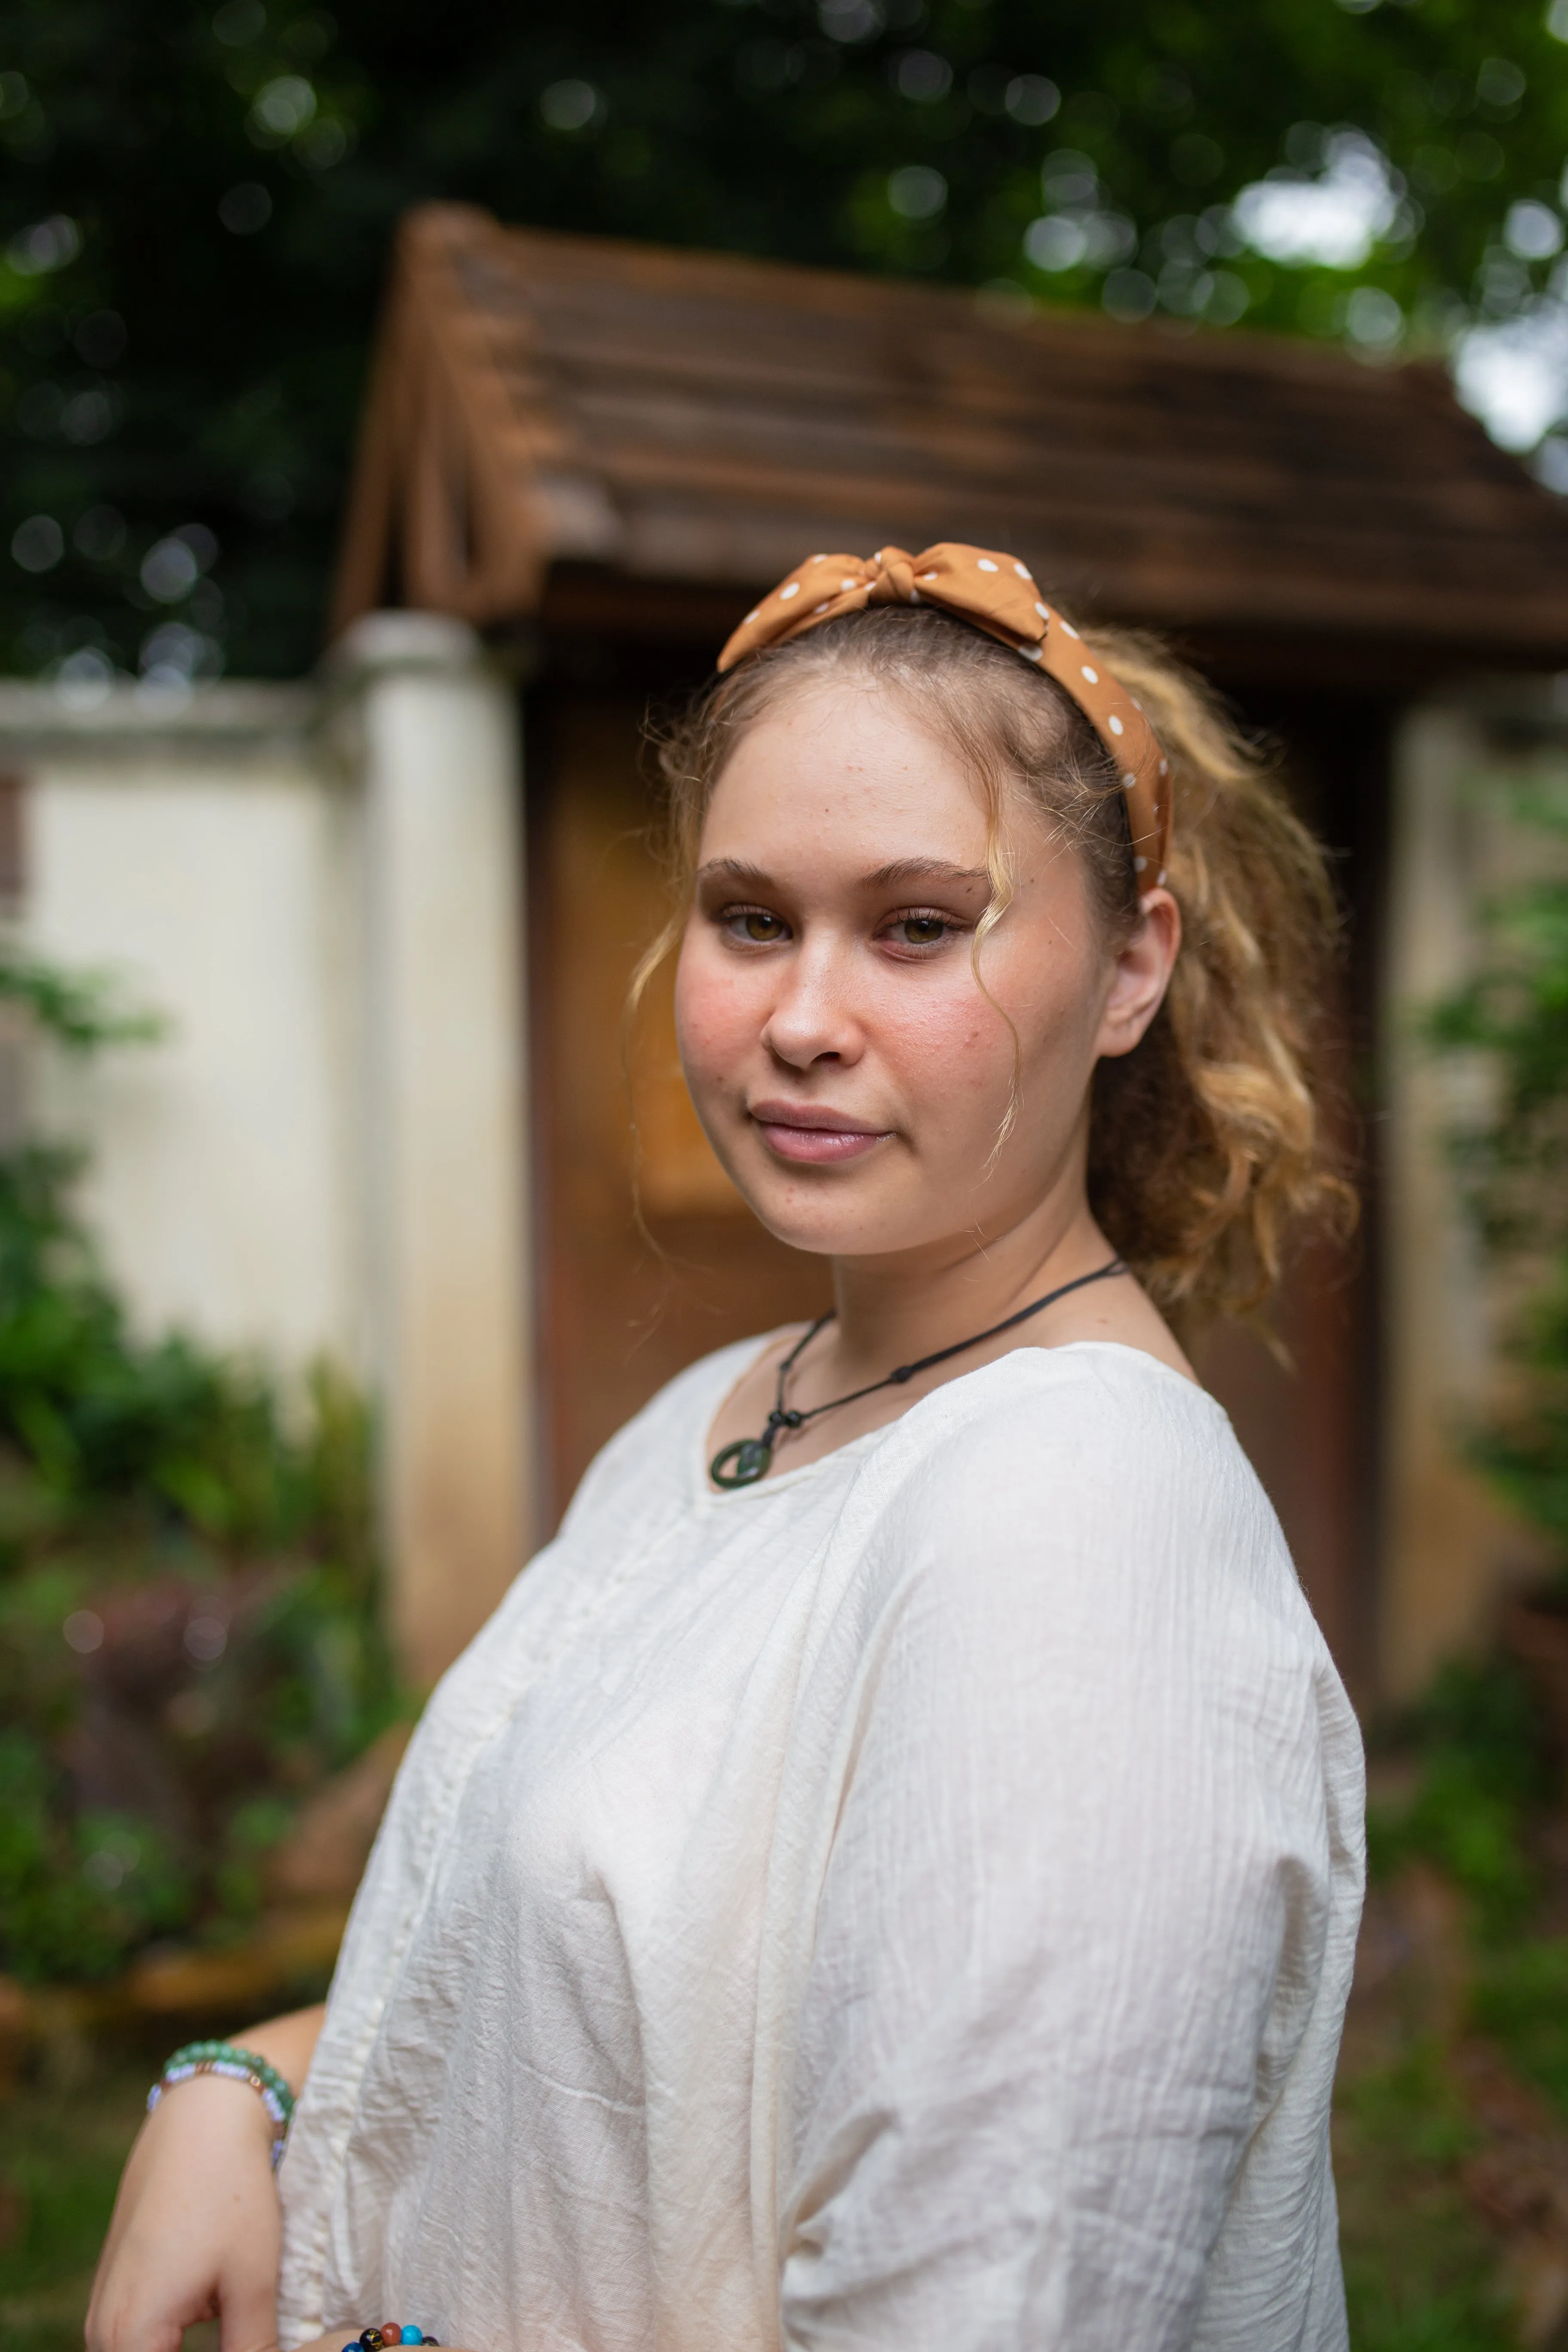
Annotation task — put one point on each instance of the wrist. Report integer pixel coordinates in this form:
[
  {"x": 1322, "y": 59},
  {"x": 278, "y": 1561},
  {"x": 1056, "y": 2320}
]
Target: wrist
[
  {"x": 288, "y": 2042},
  {"x": 247, "y": 2069},
  {"x": 209, "y": 2122}
]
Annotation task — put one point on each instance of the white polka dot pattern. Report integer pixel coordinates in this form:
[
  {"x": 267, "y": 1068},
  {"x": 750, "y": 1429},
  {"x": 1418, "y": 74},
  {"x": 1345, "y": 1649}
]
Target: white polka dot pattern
[{"x": 995, "y": 592}]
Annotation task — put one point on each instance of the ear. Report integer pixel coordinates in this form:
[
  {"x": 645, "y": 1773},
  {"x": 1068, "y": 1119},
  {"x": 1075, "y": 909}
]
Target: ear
[{"x": 1145, "y": 963}]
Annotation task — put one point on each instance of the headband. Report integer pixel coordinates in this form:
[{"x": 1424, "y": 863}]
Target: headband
[{"x": 996, "y": 594}]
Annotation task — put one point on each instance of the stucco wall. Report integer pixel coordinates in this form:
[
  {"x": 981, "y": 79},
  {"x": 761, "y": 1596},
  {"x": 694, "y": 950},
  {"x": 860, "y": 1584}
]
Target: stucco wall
[{"x": 216, "y": 872}]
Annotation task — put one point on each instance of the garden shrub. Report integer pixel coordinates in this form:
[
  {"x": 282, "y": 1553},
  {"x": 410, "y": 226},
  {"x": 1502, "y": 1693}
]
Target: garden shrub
[{"x": 189, "y": 1634}]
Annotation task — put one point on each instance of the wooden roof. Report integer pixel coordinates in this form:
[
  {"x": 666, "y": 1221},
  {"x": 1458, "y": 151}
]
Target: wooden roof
[{"x": 542, "y": 403}]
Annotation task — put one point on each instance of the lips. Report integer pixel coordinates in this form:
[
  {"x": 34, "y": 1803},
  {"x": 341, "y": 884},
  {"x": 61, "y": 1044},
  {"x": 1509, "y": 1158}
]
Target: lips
[{"x": 810, "y": 1135}]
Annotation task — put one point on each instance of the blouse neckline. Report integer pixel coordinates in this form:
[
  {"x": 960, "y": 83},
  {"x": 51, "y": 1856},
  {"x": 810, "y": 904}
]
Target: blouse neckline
[{"x": 708, "y": 1494}]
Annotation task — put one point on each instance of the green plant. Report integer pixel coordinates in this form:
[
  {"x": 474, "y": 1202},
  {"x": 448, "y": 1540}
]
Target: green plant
[
  {"x": 1482, "y": 1776},
  {"x": 61, "y": 2153},
  {"x": 189, "y": 1636},
  {"x": 1412, "y": 2139},
  {"x": 1521, "y": 2000},
  {"x": 1419, "y": 2264},
  {"x": 80, "y": 1011},
  {"x": 1514, "y": 1012},
  {"x": 77, "y": 1889}
]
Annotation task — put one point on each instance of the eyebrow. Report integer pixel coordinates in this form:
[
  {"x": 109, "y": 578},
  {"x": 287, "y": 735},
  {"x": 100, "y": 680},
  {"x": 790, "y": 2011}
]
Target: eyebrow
[
  {"x": 923, "y": 869},
  {"x": 886, "y": 877}
]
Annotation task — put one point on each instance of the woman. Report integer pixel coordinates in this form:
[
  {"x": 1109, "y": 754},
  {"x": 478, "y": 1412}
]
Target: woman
[{"x": 888, "y": 1874}]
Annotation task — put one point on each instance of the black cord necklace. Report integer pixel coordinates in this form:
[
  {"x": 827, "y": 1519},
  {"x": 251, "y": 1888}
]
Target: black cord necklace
[{"x": 743, "y": 1461}]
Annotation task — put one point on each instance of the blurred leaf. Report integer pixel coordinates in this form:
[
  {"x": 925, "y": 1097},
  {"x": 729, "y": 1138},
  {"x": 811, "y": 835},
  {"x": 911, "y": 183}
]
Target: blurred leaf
[
  {"x": 1512, "y": 1016},
  {"x": 1521, "y": 1997},
  {"x": 1483, "y": 1772},
  {"x": 78, "y": 1011}
]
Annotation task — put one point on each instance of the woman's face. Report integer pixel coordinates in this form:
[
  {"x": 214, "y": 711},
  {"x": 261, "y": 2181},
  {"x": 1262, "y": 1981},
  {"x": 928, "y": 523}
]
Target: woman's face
[{"x": 845, "y": 1063}]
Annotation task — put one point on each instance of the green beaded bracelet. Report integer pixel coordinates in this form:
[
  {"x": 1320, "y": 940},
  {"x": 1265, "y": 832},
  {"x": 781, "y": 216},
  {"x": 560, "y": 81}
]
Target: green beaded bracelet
[{"x": 235, "y": 2065}]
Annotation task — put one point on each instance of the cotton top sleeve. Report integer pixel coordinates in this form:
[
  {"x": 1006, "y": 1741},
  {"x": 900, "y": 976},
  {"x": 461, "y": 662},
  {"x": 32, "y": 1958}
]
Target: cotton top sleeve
[{"x": 1073, "y": 1928}]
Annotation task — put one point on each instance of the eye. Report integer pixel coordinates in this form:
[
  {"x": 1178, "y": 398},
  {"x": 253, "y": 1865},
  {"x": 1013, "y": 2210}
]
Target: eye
[
  {"x": 754, "y": 925},
  {"x": 917, "y": 930}
]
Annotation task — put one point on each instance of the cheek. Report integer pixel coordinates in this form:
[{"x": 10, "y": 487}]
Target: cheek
[
  {"x": 1050, "y": 989},
  {"x": 1052, "y": 1000},
  {"x": 714, "y": 1022},
  {"x": 945, "y": 1027},
  {"x": 948, "y": 1050}
]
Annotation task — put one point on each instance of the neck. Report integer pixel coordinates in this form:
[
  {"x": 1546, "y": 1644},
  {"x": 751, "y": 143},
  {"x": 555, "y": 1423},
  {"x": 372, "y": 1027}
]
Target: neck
[{"x": 895, "y": 1309}]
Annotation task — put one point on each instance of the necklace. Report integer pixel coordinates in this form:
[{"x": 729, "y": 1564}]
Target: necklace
[{"x": 746, "y": 1459}]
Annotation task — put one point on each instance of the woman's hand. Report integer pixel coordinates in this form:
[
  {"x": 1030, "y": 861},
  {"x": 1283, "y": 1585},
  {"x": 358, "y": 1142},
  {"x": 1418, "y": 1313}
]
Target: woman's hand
[{"x": 197, "y": 2229}]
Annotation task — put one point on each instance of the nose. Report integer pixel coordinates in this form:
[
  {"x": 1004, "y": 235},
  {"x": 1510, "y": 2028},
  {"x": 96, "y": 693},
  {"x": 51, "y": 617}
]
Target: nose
[{"x": 813, "y": 1018}]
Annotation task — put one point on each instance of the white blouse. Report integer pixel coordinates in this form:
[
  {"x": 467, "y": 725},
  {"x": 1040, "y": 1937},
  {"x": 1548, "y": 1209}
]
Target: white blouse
[{"x": 906, "y": 1904}]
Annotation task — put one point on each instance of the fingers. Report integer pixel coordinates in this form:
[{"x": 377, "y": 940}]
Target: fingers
[
  {"x": 248, "y": 2310},
  {"x": 122, "y": 2321}
]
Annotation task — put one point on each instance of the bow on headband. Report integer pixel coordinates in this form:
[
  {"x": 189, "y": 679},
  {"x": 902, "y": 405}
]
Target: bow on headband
[{"x": 996, "y": 594}]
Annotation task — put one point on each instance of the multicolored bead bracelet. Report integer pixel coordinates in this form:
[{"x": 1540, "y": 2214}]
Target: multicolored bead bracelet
[
  {"x": 235, "y": 2065},
  {"x": 382, "y": 2338}
]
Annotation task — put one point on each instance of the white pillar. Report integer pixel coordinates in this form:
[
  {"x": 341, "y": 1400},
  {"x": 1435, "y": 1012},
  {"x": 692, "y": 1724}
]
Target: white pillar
[
  {"x": 1448, "y": 1547},
  {"x": 433, "y": 732}
]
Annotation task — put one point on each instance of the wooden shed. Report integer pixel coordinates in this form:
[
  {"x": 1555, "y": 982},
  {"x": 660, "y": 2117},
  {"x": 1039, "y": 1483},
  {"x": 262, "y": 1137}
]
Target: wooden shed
[{"x": 597, "y": 453}]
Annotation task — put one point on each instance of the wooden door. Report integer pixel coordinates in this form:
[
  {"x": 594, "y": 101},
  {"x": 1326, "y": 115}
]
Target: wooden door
[{"x": 1307, "y": 1407}]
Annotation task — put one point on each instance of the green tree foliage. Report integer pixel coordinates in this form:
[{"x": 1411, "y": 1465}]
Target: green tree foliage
[{"x": 197, "y": 203}]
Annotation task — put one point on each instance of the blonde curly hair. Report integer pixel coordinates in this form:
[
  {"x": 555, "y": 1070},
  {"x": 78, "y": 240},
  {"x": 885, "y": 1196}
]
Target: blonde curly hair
[{"x": 1208, "y": 1144}]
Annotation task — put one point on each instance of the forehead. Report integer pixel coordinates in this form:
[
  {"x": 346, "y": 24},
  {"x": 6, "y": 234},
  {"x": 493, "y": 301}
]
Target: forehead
[{"x": 840, "y": 760}]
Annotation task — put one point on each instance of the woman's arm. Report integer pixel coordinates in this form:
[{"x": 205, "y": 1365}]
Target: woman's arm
[
  {"x": 196, "y": 2229},
  {"x": 1073, "y": 1937}
]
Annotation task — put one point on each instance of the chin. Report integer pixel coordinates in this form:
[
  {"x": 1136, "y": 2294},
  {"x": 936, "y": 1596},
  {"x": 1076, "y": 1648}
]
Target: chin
[
  {"x": 829, "y": 1213},
  {"x": 813, "y": 1236}
]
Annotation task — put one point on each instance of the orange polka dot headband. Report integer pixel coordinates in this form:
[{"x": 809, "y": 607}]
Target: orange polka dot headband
[{"x": 996, "y": 594}]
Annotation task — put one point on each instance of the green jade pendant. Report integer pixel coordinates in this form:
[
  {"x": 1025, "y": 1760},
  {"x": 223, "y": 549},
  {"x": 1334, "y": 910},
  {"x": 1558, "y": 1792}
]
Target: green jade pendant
[{"x": 746, "y": 1459}]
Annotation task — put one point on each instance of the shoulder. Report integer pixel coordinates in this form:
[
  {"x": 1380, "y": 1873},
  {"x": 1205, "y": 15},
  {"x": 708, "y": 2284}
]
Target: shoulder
[
  {"x": 1068, "y": 1555},
  {"x": 1078, "y": 1427},
  {"x": 1090, "y": 1488}
]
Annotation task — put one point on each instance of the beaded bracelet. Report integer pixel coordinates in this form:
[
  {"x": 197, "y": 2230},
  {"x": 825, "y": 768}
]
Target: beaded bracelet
[
  {"x": 235, "y": 2065},
  {"x": 382, "y": 2338}
]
